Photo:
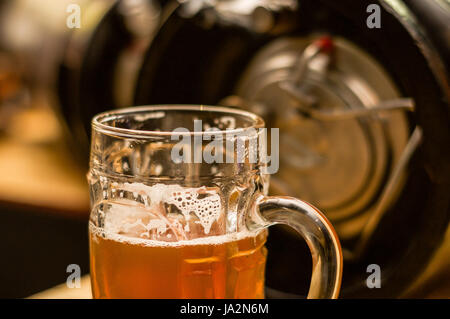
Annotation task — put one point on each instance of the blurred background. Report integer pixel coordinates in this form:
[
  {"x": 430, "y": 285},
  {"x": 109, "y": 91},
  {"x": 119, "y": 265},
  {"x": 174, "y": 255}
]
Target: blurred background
[{"x": 359, "y": 89}]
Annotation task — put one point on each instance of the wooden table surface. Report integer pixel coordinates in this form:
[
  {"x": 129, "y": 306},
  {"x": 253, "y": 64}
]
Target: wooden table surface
[{"x": 62, "y": 291}]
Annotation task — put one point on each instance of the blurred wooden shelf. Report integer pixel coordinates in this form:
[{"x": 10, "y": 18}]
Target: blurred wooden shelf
[{"x": 37, "y": 171}]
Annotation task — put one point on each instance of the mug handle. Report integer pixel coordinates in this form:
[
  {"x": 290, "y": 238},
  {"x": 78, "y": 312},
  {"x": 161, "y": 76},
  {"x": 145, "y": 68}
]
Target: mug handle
[{"x": 315, "y": 228}]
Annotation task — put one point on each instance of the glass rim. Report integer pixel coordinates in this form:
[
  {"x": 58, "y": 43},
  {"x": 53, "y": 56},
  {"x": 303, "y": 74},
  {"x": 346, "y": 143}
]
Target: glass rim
[{"x": 98, "y": 121}]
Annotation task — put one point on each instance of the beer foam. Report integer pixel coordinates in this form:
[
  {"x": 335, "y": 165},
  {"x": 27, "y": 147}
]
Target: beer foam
[
  {"x": 203, "y": 202},
  {"x": 97, "y": 232},
  {"x": 207, "y": 209}
]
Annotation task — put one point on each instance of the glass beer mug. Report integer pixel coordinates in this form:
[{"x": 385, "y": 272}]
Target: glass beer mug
[{"x": 180, "y": 207}]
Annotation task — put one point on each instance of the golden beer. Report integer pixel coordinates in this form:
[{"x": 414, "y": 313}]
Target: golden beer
[{"x": 213, "y": 267}]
